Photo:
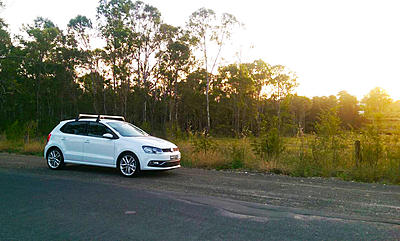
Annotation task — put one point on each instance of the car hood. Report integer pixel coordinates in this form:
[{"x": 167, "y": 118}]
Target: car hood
[{"x": 151, "y": 141}]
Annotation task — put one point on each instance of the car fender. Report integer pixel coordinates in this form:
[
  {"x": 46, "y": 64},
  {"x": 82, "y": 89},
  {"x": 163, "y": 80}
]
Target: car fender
[
  {"x": 50, "y": 145},
  {"x": 125, "y": 146}
]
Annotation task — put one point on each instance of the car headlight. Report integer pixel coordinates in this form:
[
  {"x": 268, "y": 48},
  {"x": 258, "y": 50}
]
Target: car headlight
[{"x": 152, "y": 150}]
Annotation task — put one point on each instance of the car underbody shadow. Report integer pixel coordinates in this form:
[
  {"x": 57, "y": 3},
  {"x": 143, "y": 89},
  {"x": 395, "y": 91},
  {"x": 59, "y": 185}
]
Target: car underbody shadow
[{"x": 113, "y": 171}]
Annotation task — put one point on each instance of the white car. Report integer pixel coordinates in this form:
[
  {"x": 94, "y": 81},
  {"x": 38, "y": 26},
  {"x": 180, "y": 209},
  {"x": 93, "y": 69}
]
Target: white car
[{"x": 108, "y": 141}]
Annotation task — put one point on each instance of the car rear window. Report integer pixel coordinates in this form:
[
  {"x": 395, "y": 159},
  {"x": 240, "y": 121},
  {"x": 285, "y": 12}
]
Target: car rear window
[{"x": 75, "y": 127}]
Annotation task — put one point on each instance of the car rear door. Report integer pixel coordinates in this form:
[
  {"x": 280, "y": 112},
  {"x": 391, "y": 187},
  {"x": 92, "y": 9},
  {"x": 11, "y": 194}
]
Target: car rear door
[
  {"x": 72, "y": 140},
  {"x": 99, "y": 150}
]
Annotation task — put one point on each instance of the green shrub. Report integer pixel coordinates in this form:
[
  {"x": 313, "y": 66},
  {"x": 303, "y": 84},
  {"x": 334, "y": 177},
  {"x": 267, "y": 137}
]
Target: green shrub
[
  {"x": 15, "y": 131},
  {"x": 372, "y": 147},
  {"x": 268, "y": 146},
  {"x": 328, "y": 145},
  {"x": 174, "y": 132},
  {"x": 203, "y": 143},
  {"x": 237, "y": 156},
  {"x": 30, "y": 130},
  {"x": 146, "y": 126}
]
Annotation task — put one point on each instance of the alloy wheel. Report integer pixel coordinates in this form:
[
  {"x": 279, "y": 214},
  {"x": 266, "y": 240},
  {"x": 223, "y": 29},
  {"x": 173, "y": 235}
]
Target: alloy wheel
[
  {"x": 54, "y": 159},
  {"x": 127, "y": 165}
]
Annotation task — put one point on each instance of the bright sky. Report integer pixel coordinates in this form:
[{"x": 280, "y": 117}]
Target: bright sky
[{"x": 332, "y": 45}]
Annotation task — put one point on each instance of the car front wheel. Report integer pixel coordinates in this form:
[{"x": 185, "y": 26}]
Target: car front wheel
[{"x": 128, "y": 165}]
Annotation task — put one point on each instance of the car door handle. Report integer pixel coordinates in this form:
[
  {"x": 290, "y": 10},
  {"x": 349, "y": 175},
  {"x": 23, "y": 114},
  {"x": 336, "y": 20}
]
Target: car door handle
[
  {"x": 87, "y": 141},
  {"x": 63, "y": 139}
]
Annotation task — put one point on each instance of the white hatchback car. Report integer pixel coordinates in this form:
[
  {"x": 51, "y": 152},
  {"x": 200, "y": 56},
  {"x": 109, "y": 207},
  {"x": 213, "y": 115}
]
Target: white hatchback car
[{"x": 108, "y": 141}]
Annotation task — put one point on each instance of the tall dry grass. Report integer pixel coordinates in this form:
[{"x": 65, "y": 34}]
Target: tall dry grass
[
  {"x": 33, "y": 147},
  {"x": 225, "y": 154},
  {"x": 301, "y": 157}
]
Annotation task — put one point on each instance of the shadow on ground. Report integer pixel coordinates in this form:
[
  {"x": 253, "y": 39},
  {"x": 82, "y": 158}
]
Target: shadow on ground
[{"x": 114, "y": 172}]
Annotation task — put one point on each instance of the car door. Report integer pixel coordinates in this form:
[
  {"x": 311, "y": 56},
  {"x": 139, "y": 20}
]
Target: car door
[
  {"x": 72, "y": 140},
  {"x": 99, "y": 150}
]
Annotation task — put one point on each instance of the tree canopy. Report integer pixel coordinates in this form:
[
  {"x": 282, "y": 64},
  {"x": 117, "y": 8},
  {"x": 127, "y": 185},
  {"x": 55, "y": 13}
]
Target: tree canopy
[{"x": 160, "y": 77}]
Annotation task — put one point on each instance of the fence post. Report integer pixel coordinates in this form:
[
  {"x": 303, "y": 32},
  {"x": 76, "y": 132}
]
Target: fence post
[{"x": 357, "y": 152}]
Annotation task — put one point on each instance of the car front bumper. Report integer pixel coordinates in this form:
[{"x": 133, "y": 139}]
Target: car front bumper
[{"x": 164, "y": 161}]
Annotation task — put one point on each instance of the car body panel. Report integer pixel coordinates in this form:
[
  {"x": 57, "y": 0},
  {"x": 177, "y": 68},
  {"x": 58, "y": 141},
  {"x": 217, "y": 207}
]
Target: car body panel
[
  {"x": 72, "y": 147},
  {"x": 99, "y": 150}
]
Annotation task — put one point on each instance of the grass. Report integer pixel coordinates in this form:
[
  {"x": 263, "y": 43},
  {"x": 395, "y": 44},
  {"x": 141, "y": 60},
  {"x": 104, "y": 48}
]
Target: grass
[
  {"x": 301, "y": 157},
  {"x": 34, "y": 147}
]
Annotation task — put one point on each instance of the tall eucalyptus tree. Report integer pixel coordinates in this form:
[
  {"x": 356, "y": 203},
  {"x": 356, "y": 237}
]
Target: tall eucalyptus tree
[
  {"x": 208, "y": 29},
  {"x": 176, "y": 60}
]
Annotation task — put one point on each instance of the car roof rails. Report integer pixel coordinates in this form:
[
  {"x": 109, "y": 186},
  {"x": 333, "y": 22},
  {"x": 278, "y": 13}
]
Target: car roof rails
[{"x": 98, "y": 117}]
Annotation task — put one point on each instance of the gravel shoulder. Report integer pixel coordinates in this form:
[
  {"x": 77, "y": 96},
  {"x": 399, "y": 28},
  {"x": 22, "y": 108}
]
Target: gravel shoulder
[{"x": 305, "y": 197}]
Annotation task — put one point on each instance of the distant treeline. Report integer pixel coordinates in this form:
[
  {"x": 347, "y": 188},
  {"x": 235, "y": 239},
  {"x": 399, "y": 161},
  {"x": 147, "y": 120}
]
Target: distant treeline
[{"x": 160, "y": 77}]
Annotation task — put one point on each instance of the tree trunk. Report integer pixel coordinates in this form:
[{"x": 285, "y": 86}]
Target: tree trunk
[
  {"x": 207, "y": 90},
  {"x": 94, "y": 90},
  {"x": 279, "y": 116},
  {"x": 176, "y": 98},
  {"x": 208, "y": 104},
  {"x": 115, "y": 88},
  {"x": 104, "y": 100},
  {"x": 145, "y": 111}
]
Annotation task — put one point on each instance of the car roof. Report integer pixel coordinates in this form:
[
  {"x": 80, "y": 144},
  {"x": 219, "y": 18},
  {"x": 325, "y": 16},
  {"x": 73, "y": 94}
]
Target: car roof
[{"x": 93, "y": 120}]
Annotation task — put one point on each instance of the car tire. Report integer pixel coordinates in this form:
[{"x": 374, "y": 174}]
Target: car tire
[
  {"x": 128, "y": 165},
  {"x": 55, "y": 159}
]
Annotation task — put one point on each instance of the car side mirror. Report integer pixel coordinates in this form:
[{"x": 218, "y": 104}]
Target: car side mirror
[{"x": 108, "y": 136}]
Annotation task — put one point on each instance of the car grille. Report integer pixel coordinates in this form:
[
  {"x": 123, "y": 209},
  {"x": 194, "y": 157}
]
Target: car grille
[
  {"x": 164, "y": 163},
  {"x": 171, "y": 164}
]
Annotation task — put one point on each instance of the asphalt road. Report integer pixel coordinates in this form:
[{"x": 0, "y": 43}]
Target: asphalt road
[{"x": 91, "y": 203}]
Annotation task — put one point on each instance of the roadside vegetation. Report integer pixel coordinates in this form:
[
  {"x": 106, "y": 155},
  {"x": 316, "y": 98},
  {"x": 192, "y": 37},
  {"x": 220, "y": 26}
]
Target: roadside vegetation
[
  {"x": 169, "y": 80},
  {"x": 301, "y": 156},
  {"x": 330, "y": 151},
  {"x": 304, "y": 156}
]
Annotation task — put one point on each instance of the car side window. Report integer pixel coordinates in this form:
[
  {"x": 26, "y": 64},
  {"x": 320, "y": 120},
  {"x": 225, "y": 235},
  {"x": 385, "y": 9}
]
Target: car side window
[
  {"x": 98, "y": 130},
  {"x": 76, "y": 128}
]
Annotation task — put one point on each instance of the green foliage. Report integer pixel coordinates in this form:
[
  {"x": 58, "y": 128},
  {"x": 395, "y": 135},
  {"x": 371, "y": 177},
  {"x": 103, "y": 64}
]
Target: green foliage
[
  {"x": 300, "y": 107},
  {"x": 30, "y": 130},
  {"x": 22, "y": 131},
  {"x": 269, "y": 145},
  {"x": 318, "y": 106},
  {"x": 376, "y": 103},
  {"x": 203, "y": 143},
  {"x": 376, "y": 106},
  {"x": 146, "y": 127},
  {"x": 348, "y": 111},
  {"x": 149, "y": 72},
  {"x": 80, "y": 23},
  {"x": 237, "y": 156},
  {"x": 295, "y": 160},
  {"x": 174, "y": 132},
  {"x": 372, "y": 144},
  {"x": 34, "y": 147},
  {"x": 284, "y": 82},
  {"x": 15, "y": 131},
  {"x": 329, "y": 140}
]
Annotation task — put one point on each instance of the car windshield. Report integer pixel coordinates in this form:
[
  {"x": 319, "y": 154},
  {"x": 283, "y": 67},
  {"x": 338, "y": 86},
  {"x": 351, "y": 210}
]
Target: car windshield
[{"x": 127, "y": 130}]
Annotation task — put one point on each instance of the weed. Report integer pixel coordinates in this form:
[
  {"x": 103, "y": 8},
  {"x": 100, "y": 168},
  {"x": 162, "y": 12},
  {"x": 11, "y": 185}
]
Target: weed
[
  {"x": 268, "y": 146},
  {"x": 304, "y": 156},
  {"x": 237, "y": 156},
  {"x": 203, "y": 143}
]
